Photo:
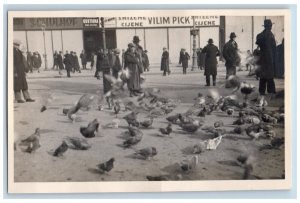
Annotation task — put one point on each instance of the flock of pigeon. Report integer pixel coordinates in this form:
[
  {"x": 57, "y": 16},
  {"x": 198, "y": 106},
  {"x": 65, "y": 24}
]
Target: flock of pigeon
[{"x": 253, "y": 120}]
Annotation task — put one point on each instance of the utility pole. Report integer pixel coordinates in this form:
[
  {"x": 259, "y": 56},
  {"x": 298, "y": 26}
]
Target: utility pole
[
  {"x": 194, "y": 32},
  {"x": 45, "y": 52}
]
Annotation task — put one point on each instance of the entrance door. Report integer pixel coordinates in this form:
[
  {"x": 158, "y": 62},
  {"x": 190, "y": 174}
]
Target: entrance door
[{"x": 93, "y": 41}]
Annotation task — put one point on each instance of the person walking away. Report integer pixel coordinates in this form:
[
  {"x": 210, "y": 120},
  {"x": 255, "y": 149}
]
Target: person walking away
[
  {"x": 266, "y": 42},
  {"x": 83, "y": 58},
  {"x": 55, "y": 62},
  {"x": 60, "y": 62},
  {"x": 185, "y": 61},
  {"x": 198, "y": 57},
  {"x": 146, "y": 63},
  {"x": 68, "y": 63},
  {"x": 211, "y": 52},
  {"x": 76, "y": 63},
  {"x": 248, "y": 60},
  {"x": 230, "y": 54},
  {"x": 181, "y": 53},
  {"x": 36, "y": 61},
  {"x": 131, "y": 63},
  {"x": 92, "y": 60},
  {"x": 116, "y": 63},
  {"x": 165, "y": 62},
  {"x": 29, "y": 61},
  {"x": 99, "y": 61},
  {"x": 20, "y": 82},
  {"x": 280, "y": 60}
]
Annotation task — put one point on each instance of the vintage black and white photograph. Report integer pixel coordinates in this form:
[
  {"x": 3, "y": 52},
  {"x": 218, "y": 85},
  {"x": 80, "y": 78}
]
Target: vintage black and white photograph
[{"x": 150, "y": 98}]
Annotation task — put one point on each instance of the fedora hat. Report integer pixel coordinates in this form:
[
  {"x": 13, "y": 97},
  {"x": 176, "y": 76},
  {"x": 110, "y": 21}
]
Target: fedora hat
[
  {"x": 268, "y": 23},
  {"x": 17, "y": 42},
  {"x": 232, "y": 35},
  {"x": 136, "y": 39},
  {"x": 210, "y": 41}
]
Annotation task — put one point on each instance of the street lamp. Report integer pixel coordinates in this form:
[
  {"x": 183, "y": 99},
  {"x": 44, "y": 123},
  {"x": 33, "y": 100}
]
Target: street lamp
[
  {"x": 194, "y": 32},
  {"x": 43, "y": 27}
]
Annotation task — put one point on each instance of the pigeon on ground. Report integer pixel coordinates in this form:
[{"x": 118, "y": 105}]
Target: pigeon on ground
[
  {"x": 189, "y": 165},
  {"x": 33, "y": 137},
  {"x": 117, "y": 108},
  {"x": 146, "y": 153},
  {"x": 132, "y": 141},
  {"x": 90, "y": 130},
  {"x": 131, "y": 119},
  {"x": 218, "y": 124},
  {"x": 134, "y": 131},
  {"x": 164, "y": 178},
  {"x": 166, "y": 131},
  {"x": 61, "y": 149},
  {"x": 77, "y": 143},
  {"x": 33, "y": 146},
  {"x": 189, "y": 127},
  {"x": 173, "y": 118},
  {"x": 106, "y": 166},
  {"x": 147, "y": 123}
]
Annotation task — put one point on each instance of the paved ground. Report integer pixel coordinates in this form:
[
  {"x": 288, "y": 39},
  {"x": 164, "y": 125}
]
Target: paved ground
[{"x": 81, "y": 165}]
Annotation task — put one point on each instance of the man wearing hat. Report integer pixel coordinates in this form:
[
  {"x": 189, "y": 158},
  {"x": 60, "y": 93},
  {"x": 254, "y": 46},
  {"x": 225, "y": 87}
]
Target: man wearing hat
[
  {"x": 20, "y": 82},
  {"x": 146, "y": 63},
  {"x": 139, "y": 53},
  {"x": 164, "y": 66},
  {"x": 266, "y": 42},
  {"x": 184, "y": 60},
  {"x": 230, "y": 53},
  {"x": 211, "y": 62}
]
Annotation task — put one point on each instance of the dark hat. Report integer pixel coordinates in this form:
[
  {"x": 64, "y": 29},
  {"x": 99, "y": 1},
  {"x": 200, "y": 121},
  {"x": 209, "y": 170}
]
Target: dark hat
[
  {"x": 130, "y": 45},
  {"x": 145, "y": 51},
  {"x": 136, "y": 39},
  {"x": 268, "y": 23},
  {"x": 232, "y": 35},
  {"x": 210, "y": 41}
]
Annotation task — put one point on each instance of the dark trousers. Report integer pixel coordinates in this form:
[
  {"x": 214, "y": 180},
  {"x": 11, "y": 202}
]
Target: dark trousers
[
  {"x": 230, "y": 70},
  {"x": 68, "y": 73},
  {"x": 268, "y": 84},
  {"x": 208, "y": 80},
  {"x": 184, "y": 70}
]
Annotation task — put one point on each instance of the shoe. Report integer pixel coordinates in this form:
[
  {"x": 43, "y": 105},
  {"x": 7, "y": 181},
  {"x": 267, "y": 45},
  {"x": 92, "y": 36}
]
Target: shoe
[
  {"x": 139, "y": 91},
  {"x": 207, "y": 85},
  {"x": 30, "y": 100},
  {"x": 21, "y": 101}
]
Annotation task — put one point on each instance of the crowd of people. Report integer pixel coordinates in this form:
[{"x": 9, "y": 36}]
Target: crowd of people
[{"x": 268, "y": 59}]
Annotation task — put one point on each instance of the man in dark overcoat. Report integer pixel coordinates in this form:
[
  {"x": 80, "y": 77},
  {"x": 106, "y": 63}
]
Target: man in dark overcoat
[
  {"x": 116, "y": 63},
  {"x": 76, "y": 62},
  {"x": 184, "y": 60},
  {"x": 230, "y": 54},
  {"x": 60, "y": 62},
  {"x": 68, "y": 63},
  {"x": 20, "y": 82},
  {"x": 146, "y": 63},
  {"x": 99, "y": 62},
  {"x": 165, "y": 62},
  {"x": 55, "y": 62},
  {"x": 29, "y": 61},
  {"x": 266, "y": 42},
  {"x": 83, "y": 58},
  {"x": 211, "y": 52}
]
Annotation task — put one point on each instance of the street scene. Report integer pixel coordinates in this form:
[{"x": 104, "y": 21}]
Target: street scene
[{"x": 148, "y": 98}]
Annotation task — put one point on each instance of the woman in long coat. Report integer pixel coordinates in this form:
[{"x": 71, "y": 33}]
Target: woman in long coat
[
  {"x": 165, "y": 62},
  {"x": 184, "y": 60},
  {"x": 211, "y": 62},
  {"x": 131, "y": 62},
  {"x": 68, "y": 64}
]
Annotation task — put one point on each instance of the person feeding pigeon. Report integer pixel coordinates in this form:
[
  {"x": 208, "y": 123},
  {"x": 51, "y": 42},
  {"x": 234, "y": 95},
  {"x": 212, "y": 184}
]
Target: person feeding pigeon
[
  {"x": 266, "y": 42},
  {"x": 211, "y": 52}
]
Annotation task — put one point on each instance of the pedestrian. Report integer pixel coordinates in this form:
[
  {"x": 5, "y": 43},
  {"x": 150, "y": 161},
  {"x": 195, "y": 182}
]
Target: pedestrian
[
  {"x": 165, "y": 62},
  {"x": 230, "y": 54},
  {"x": 249, "y": 58},
  {"x": 60, "y": 62},
  {"x": 146, "y": 63},
  {"x": 83, "y": 58},
  {"x": 92, "y": 60},
  {"x": 184, "y": 60},
  {"x": 131, "y": 63},
  {"x": 99, "y": 61},
  {"x": 266, "y": 42},
  {"x": 116, "y": 63},
  {"x": 36, "y": 61},
  {"x": 20, "y": 67},
  {"x": 55, "y": 62},
  {"x": 29, "y": 61},
  {"x": 280, "y": 60},
  {"x": 211, "y": 62},
  {"x": 76, "y": 62},
  {"x": 139, "y": 53},
  {"x": 105, "y": 68},
  {"x": 68, "y": 63},
  {"x": 181, "y": 53}
]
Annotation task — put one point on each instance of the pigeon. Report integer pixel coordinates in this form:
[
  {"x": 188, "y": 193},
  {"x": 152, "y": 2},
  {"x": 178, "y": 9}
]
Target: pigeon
[
  {"x": 132, "y": 141},
  {"x": 61, "y": 149},
  {"x": 256, "y": 135},
  {"x": 199, "y": 100},
  {"x": 131, "y": 119},
  {"x": 33, "y": 146},
  {"x": 189, "y": 127},
  {"x": 106, "y": 166},
  {"x": 199, "y": 148},
  {"x": 164, "y": 177},
  {"x": 83, "y": 102},
  {"x": 147, "y": 123},
  {"x": 166, "y": 131},
  {"x": 77, "y": 143},
  {"x": 218, "y": 124},
  {"x": 33, "y": 137},
  {"x": 134, "y": 131},
  {"x": 230, "y": 111},
  {"x": 239, "y": 121},
  {"x": 173, "y": 118},
  {"x": 185, "y": 119},
  {"x": 277, "y": 142},
  {"x": 246, "y": 162},
  {"x": 90, "y": 130},
  {"x": 44, "y": 108},
  {"x": 246, "y": 89},
  {"x": 202, "y": 113},
  {"x": 189, "y": 165},
  {"x": 233, "y": 81},
  {"x": 146, "y": 153},
  {"x": 117, "y": 108},
  {"x": 65, "y": 111}
]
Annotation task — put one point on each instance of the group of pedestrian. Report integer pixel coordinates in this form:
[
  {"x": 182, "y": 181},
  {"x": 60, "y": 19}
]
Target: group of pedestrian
[{"x": 34, "y": 61}]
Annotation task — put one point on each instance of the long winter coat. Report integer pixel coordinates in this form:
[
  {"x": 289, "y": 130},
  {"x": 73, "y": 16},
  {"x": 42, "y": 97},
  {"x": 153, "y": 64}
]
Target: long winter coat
[
  {"x": 280, "y": 61},
  {"x": 184, "y": 60},
  {"x": 230, "y": 53},
  {"x": 211, "y": 62},
  {"x": 83, "y": 57},
  {"x": 145, "y": 61},
  {"x": 60, "y": 62},
  {"x": 139, "y": 54},
  {"x": 116, "y": 65},
  {"x": 131, "y": 62},
  {"x": 165, "y": 61},
  {"x": 68, "y": 62},
  {"x": 36, "y": 61},
  {"x": 99, "y": 61},
  {"x": 266, "y": 42},
  {"x": 20, "y": 63}
]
